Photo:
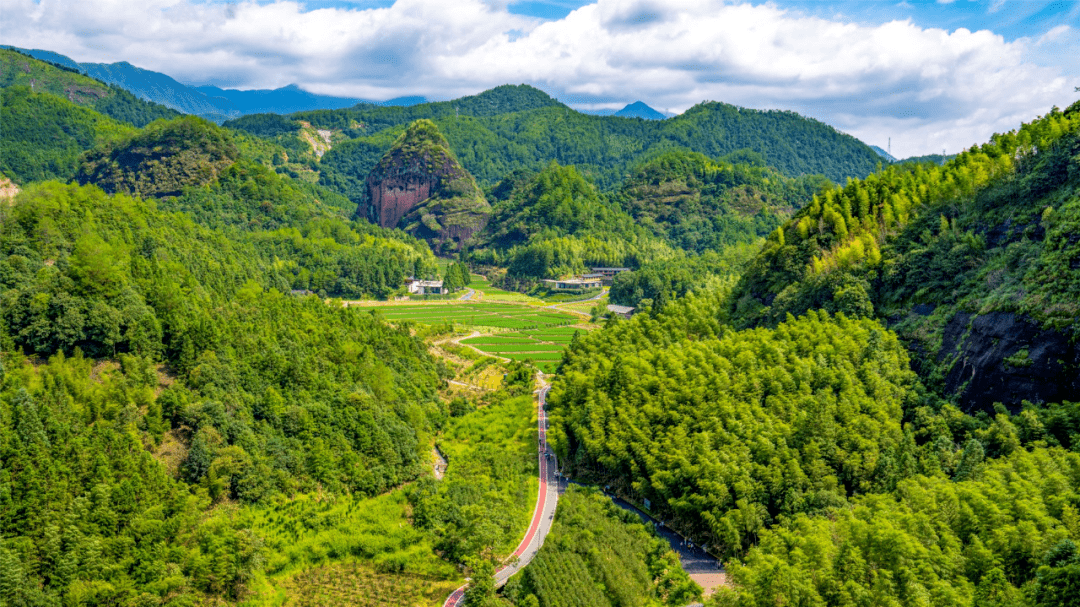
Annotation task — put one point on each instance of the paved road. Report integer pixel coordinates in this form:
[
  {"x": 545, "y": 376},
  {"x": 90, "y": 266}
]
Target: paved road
[
  {"x": 468, "y": 295},
  {"x": 703, "y": 568},
  {"x": 543, "y": 515}
]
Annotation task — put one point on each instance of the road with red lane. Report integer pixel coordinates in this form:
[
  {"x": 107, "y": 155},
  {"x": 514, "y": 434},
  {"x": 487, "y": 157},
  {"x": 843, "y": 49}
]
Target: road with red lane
[{"x": 543, "y": 514}]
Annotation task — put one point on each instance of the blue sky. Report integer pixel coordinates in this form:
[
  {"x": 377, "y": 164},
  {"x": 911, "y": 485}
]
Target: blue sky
[{"x": 930, "y": 75}]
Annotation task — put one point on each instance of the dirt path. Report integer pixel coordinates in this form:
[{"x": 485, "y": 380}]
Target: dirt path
[{"x": 440, "y": 463}]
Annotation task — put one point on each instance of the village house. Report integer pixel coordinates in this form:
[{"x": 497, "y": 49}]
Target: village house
[
  {"x": 424, "y": 287},
  {"x": 608, "y": 274},
  {"x": 623, "y": 311},
  {"x": 580, "y": 283}
]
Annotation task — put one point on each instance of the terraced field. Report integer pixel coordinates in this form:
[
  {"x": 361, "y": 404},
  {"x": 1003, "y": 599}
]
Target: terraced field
[{"x": 542, "y": 346}]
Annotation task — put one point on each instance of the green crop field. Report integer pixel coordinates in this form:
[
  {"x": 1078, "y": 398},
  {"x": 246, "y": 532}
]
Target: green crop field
[
  {"x": 533, "y": 347},
  {"x": 522, "y": 331},
  {"x": 506, "y": 316}
]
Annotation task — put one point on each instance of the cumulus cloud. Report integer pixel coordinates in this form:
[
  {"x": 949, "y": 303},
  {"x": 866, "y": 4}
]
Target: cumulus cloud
[{"x": 928, "y": 89}]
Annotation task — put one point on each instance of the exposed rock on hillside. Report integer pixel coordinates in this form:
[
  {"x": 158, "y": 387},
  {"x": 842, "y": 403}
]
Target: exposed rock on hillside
[
  {"x": 420, "y": 187},
  {"x": 1003, "y": 357}
]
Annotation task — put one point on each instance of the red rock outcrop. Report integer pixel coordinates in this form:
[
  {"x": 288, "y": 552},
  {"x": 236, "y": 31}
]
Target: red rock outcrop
[{"x": 420, "y": 187}]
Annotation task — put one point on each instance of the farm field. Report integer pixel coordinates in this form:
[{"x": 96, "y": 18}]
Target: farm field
[
  {"x": 477, "y": 315},
  {"x": 514, "y": 326}
]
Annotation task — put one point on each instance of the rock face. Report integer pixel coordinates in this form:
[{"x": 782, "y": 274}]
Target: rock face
[
  {"x": 420, "y": 187},
  {"x": 1005, "y": 358}
]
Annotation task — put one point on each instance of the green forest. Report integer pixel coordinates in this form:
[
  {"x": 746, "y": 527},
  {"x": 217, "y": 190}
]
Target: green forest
[
  {"x": 850, "y": 395},
  {"x": 800, "y": 420},
  {"x": 598, "y": 555},
  {"x": 519, "y": 127}
]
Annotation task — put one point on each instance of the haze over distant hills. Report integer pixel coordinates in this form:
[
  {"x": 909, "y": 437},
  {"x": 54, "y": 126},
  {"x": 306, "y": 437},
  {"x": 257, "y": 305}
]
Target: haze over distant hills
[
  {"x": 637, "y": 109},
  {"x": 218, "y": 104},
  {"x": 210, "y": 102}
]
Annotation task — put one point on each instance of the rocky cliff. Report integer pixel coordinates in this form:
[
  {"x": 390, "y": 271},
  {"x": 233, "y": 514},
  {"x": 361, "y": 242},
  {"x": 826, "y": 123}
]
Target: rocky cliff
[{"x": 420, "y": 187}]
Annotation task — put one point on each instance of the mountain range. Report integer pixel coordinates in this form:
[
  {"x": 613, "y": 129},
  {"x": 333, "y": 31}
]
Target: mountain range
[
  {"x": 218, "y": 104},
  {"x": 209, "y": 102},
  {"x": 857, "y": 394}
]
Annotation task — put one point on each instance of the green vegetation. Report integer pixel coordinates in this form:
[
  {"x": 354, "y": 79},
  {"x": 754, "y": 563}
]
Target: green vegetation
[
  {"x": 493, "y": 315},
  {"x": 161, "y": 160},
  {"x": 485, "y": 502},
  {"x": 456, "y": 276},
  {"x": 598, "y": 555},
  {"x": 272, "y": 395},
  {"x": 655, "y": 284},
  {"x": 454, "y": 207},
  {"x": 725, "y": 432},
  {"x": 182, "y": 422},
  {"x": 699, "y": 204},
  {"x": 512, "y": 128},
  {"x": 555, "y": 223},
  {"x": 523, "y": 328},
  {"x": 18, "y": 70},
  {"x": 990, "y": 232},
  {"x": 1000, "y": 537},
  {"x": 42, "y": 136}
]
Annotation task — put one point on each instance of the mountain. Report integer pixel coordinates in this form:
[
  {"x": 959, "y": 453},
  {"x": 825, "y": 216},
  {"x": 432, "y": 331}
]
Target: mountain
[
  {"x": 638, "y": 109},
  {"x": 285, "y": 100},
  {"x": 42, "y": 136},
  {"x": 419, "y": 186},
  {"x": 17, "y": 69},
  {"x": 883, "y": 153},
  {"x": 975, "y": 264},
  {"x": 553, "y": 222},
  {"x": 520, "y": 127},
  {"x": 162, "y": 160},
  {"x": 207, "y": 101},
  {"x": 698, "y": 203}
]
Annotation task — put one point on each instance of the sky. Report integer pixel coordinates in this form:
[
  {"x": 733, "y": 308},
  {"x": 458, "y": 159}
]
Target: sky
[{"x": 927, "y": 75}]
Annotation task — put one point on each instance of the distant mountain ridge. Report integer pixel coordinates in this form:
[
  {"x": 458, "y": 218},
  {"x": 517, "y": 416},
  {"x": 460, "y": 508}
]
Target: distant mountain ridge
[
  {"x": 881, "y": 152},
  {"x": 638, "y": 109},
  {"x": 209, "y": 102}
]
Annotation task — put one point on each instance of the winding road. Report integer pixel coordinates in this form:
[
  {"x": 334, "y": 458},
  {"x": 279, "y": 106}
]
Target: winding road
[{"x": 543, "y": 514}]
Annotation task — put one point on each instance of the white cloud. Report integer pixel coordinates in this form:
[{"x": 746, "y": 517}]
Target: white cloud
[
  {"x": 1053, "y": 35},
  {"x": 926, "y": 88}
]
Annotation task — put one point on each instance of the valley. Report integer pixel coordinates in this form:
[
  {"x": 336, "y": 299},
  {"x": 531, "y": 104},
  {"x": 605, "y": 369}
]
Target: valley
[{"x": 469, "y": 352}]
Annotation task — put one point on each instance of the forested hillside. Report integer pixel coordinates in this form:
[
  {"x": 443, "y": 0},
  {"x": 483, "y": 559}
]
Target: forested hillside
[
  {"x": 117, "y": 103},
  {"x": 699, "y": 204},
  {"x": 554, "y": 222},
  {"x": 598, "y": 555},
  {"x": 42, "y": 136},
  {"x": 976, "y": 263},
  {"x": 518, "y": 127},
  {"x": 812, "y": 459},
  {"x": 272, "y": 394}
]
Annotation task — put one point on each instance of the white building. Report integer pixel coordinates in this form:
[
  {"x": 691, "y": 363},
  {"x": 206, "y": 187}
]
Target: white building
[{"x": 424, "y": 287}]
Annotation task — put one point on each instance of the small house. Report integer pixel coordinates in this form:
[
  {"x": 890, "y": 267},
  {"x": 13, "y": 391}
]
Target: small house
[
  {"x": 623, "y": 311},
  {"x": 424, "y": 287},
  {"x": 608, "y": 274},
  {"x": 573, "y": 284}
]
